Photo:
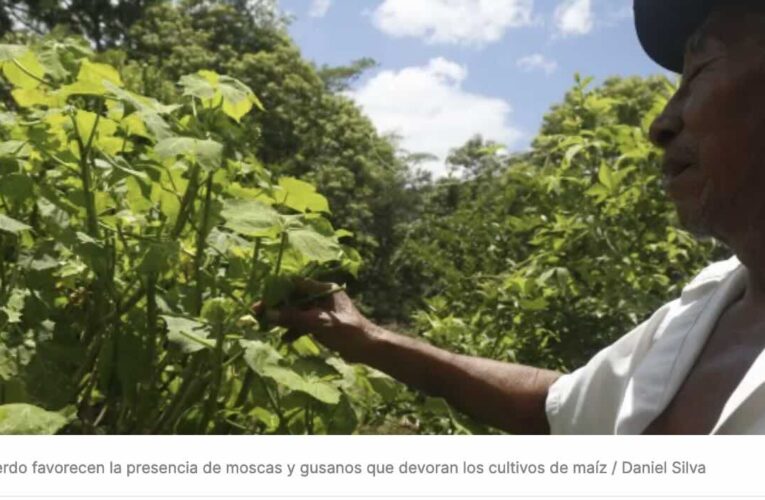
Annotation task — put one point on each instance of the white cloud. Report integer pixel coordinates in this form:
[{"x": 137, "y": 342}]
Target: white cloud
[
  {"x": 463, "y": 22},
  {"x": 534, "y": 62},
  {"x": 574, "y": 17},
  {"x": 319, "y": 8},
  {"x": 431, "y": 112}
]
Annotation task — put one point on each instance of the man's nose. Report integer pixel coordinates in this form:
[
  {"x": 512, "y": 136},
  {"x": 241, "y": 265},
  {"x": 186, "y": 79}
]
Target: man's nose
[{"x": 667, "y": 125}]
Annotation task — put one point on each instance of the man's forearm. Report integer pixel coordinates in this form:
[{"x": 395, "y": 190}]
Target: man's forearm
[{"x": 508, "y": 396}]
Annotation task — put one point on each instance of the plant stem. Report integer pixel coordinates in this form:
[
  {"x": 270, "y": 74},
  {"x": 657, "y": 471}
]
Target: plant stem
[
  {"x": 176, "y": 405},
  {"x": 217, "y": 375},
  {"x": 245, "y": 389},
  {"x": 151, "y": 326},
  {"x": 85, "y": 174},
  {"x": 275, "y": 405},
  {"x": 128, "y": 304},
  {"x": 308, "y": 418},
  {"x": 186, "y": 202},
  {"x": 201, "y": 243},
  {"x": 253, "y": 267},
  {"x": 282, "y": 246},
  {"x": 2, "y": 267}
]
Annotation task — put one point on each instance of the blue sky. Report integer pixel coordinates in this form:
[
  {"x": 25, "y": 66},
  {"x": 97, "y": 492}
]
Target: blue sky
[{"x": 448, "y": 69}]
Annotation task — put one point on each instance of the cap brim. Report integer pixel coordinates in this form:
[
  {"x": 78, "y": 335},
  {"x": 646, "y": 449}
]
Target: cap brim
[{"x": 664, "y": 27}]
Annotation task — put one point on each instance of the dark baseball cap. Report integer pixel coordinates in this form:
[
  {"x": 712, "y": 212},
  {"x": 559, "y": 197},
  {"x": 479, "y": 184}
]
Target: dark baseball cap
[{"x": 664, "y": 27}]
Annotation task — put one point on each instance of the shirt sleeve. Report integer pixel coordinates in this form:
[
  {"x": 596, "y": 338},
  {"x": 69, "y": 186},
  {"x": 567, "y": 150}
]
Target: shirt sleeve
[{"x": 588, "y": 400}]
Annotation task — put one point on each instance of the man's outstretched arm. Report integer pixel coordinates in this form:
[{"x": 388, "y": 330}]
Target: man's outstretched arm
[{"x": 508, "y": 396}]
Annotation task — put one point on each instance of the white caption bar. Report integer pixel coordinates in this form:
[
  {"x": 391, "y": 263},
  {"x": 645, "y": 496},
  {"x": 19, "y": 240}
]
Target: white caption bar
[{"x": 380, "y": 467}]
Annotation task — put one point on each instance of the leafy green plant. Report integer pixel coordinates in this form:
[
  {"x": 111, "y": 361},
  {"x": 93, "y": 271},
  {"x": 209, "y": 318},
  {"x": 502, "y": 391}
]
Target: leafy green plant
[{"x": 134, "y": 235}]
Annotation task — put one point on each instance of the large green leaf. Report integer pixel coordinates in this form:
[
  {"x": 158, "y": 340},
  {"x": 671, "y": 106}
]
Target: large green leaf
[
  {"x": 314, "y": 246},
  {"x": 29, "y": 419},
  {"x": 235, "y": 98},
  {"x": 259, "y": 355},
  {"x": 25, "y": 71},
  {"x": 93, "y": 79},
  {"x": 200, "y": 85},
  {"x": 189, "y": 335},
  {"x": 317, "y": 389},
  {"x": 15, "y": 149},
  {"x": 208, "y": 154},
  {"x": 148, "y": 109},
  {"x": 264, "y": 360},
  {"x": 139, "y": 102},
  {"x": 81, "y": 88},
  {"x": 27, "y": 98},
  {"x": 10, "y": 225},
  {"x": 87, "y": 122},
  {"x": 251, "y": 218},
  {"x": 300, "y": 196},
  {"x": 98, "y": 73},
  {"x": 50, "y": 58}
]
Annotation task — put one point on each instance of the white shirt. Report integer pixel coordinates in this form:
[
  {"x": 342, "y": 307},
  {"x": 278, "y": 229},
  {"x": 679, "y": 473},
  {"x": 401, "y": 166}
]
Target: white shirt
[{"x": 630, "y": 383}]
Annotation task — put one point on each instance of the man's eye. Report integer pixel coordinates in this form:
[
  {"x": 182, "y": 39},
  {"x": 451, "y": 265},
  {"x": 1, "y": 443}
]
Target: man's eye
[
  {"x": 696, "y": 71},
  {"x": 688, "y": 79}
]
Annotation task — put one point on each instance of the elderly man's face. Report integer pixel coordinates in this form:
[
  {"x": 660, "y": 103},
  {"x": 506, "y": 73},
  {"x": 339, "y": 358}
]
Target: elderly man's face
[{"x": 713, "y": 129}]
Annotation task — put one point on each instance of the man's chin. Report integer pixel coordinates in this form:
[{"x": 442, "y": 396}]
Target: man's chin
[
  {"x": 695, "y": 213},
  {"x": 696, "y": 224}
]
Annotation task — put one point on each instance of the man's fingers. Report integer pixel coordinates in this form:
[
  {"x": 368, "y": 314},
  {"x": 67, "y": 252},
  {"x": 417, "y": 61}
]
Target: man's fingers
[{"x": 304, "y": 320}]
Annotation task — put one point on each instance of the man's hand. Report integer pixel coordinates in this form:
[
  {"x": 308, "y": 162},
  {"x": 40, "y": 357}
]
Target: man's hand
[{"x": 325, "y": 311}]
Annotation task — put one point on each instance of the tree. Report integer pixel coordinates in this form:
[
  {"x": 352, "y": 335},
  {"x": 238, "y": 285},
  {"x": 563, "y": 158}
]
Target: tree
[
  {"x": 103, "y": 22},
  {"x": 562, "y": 250}
]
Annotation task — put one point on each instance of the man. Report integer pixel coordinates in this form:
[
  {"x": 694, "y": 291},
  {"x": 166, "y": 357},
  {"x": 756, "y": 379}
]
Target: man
[{"x": 696, "y": 365}]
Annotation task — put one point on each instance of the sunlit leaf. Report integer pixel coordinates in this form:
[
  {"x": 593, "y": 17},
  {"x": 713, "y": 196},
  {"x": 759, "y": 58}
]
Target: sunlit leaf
[
  {"x": 24, "y": 71},
  {"x": 97, "y": 73},
  {"x": 28, "y": 419},
  {"x": 14, "y": 149},
  {"x": 300, "y": 196},
  {"x": 207, "y": 153},
  {"x": 81, "y": 88},
  {"x": 606, "y": 177},
  {"x": 11, "y": 225},
  {"x": 251, "y": 218},
  {"x": 313, "y": 246},
  {"x": 26, "y": 98},
  {"x": 189, "y": 335},
  {"x": 264, "y": 360},
  {"x": 234, "y": 97}
]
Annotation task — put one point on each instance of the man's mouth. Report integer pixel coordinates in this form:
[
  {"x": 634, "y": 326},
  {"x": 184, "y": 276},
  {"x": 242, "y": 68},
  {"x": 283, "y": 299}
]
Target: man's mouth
[
  {"x": 673, "y": 169},
  {"x": 673, "y": 176}
]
